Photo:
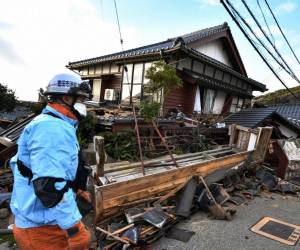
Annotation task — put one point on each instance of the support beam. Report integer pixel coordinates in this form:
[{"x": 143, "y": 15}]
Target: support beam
[{"x": 100, "y": 155}]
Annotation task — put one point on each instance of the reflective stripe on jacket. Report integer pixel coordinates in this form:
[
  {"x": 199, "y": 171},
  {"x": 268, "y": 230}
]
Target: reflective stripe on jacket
[{"x": 49, "y": 147}]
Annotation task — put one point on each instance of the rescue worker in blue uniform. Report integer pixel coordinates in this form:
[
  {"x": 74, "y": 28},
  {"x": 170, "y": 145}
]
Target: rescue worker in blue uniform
[{"x": 48, "y": 174}]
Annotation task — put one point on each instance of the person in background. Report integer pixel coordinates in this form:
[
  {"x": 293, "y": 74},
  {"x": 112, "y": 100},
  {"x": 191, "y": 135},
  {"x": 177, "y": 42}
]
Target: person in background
[{"x": 48, "y": 172}]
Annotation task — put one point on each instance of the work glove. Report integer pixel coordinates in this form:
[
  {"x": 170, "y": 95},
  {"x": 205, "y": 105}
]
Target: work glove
[
  {"x": 78, "y": 237},
  {"x": 84, "y": 202}
]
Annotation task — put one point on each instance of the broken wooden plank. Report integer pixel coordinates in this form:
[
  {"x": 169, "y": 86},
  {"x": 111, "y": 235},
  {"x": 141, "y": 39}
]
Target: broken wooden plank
[
  {"x": 121, "y": 230},
  {"x": 112, "y": 235}
]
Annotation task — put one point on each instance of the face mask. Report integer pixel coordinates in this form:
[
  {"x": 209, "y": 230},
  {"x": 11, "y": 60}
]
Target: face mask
[{"x": 81, "y": 108}]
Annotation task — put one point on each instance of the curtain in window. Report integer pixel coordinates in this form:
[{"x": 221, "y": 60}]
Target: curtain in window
[
  {"x": 197, "y": 103},
  {"x": 209, "y": 99}
]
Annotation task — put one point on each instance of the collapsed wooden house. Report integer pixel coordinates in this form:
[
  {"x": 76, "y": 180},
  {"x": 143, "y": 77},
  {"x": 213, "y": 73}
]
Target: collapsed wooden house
[
  {"x": 208, "y": 62},
  {"x": 125, "y": 185}
]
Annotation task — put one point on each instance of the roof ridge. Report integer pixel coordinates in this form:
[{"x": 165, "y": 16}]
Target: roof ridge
[
  {"x": 186, "y": 36},
  {"x": 224, "y": 25},
  {"x": 124, "y": 51}
]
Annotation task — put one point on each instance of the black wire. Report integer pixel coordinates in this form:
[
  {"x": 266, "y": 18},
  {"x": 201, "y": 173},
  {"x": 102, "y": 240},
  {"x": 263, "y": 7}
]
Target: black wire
[
  {"x": 265, "y": 20},
  {"x": 257, "y": 38},
  {"x": 121, "y": 39},
  {"x": 259, "y": 46},
  {"x": 282, "y": 31},
  {"x": 292, "y": 74},
  {"x": 125, "y": 69},
  {"x": 253, "y": 45}
]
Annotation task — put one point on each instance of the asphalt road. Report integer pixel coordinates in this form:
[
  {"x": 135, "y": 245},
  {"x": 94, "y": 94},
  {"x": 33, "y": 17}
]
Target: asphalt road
[{"x": 235, "y": 234}]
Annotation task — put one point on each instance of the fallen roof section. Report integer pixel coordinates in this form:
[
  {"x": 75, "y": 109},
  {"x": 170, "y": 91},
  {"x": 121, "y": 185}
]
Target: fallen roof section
[
  {"x": 254, "y": 117},
  {"x": 289, "y": 111}
]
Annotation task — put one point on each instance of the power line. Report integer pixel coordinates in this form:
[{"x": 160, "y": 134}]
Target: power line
[
  {"x": 236, "y": 13},
  {"x": 130, "y": 93},
  {"x": 253, "y": 45},
  {"x": 282, "y": 31},
  {"x": 118, "y": 22},
  {"x": 263, "y": 15},
  {"x": 273, "y": 45}
]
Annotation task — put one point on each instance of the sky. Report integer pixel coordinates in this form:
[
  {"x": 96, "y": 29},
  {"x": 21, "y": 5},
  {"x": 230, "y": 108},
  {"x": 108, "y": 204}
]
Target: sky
[{"x": 39, "y": 37}]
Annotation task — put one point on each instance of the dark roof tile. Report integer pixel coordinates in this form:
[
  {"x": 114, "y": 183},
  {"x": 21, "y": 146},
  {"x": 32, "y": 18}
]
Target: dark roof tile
[
  {"x": 167, "y": 44},
  {"x": 289, "y": 111},
  {"x": 249, "y": 117}
]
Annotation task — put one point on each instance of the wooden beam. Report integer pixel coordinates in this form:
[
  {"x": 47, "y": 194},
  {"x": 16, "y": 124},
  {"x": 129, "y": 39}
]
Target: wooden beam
[
  {"x": 151, "y": 185},
  {"x": 172, "y": 192},
  {"x": 99, "y": 146},
  {"x": 110, "y": 198}
]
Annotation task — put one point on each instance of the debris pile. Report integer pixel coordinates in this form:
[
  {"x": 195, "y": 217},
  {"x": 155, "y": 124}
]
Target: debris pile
[
  {"x": 139, "y": 224},
  {"x": 135, "y": 207}
]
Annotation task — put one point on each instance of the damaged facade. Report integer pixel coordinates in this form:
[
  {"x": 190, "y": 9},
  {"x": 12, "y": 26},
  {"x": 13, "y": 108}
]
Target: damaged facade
[{"x": 208, "y": 62}]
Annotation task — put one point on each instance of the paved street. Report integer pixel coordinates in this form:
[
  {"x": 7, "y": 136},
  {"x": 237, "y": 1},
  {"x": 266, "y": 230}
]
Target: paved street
[{"x": 235, "y": 234}]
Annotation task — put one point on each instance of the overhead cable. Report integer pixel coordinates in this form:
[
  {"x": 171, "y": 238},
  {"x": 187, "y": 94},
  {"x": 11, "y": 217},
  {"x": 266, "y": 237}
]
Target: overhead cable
[
  {"x": 118, "y": 22},
  {"x": 292, "y": 74},
  {"x": 130, "y": 93},
  {"x": 281, "y": 31},
  {"x": 253, "y": 45},
  {"x": 235, "y": 12},
  {"x": 265, "y": 20}
]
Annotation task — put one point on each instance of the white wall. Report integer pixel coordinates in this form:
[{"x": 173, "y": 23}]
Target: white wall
[
  {"x": 213, "y": 49},
  {"x": 286, "y": 131}
]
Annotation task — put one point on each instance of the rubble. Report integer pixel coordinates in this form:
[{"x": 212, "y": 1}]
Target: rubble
[
  {"x": 9, "y": 137},
  {"x": 284, "y": 157},
  {"x": 132, "y": 207},
  {"x": 147, "y": 206}
]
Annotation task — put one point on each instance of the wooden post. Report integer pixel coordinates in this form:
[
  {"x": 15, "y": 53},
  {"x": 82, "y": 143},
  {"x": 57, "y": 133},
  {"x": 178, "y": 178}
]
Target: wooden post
[
  {"x": 100, "y": 155},
  {"x": 136, "y": 128}
]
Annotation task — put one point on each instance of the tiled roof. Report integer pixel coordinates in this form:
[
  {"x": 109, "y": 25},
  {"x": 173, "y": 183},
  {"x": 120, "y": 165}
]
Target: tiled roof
[
  {"x": 252, "y": 118},
  {"x": 156, "y": 47},
  {"x": 289, "y": 111},
  {"x": 249, "y": 117}
]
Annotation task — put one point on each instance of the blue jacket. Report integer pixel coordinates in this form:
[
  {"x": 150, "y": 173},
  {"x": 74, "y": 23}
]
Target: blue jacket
[{"x": 49, "y": 147}]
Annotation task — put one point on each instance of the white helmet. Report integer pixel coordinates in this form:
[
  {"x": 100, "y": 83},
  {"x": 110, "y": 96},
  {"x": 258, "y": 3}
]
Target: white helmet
[{"x": 68, "y": 84}]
